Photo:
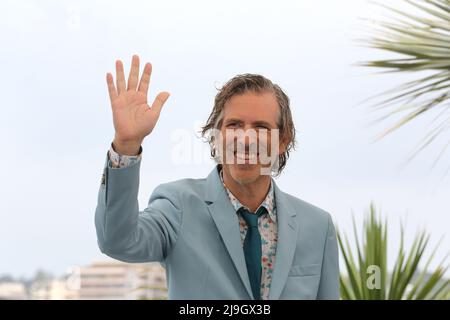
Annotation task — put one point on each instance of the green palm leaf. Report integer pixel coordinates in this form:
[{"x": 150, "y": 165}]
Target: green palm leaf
[
  {"x": 423, "y": 41},
  {"x": 405, "y": 281}
]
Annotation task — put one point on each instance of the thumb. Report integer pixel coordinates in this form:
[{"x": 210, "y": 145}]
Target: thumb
[{"x": 160, "y": 99}]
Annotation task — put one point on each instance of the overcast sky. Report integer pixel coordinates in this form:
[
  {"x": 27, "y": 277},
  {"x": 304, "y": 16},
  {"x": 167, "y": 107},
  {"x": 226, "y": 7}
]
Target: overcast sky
[{"x": 56, "y": 123}]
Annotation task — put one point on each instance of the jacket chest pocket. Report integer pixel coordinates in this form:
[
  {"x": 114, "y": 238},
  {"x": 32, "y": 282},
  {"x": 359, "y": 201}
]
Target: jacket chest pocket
[{"x": 305, "y": 270}]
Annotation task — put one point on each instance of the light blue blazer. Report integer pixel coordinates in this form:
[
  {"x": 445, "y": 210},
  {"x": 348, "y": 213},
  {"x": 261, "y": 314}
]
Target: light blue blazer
[{"x": 191, "y": 227}]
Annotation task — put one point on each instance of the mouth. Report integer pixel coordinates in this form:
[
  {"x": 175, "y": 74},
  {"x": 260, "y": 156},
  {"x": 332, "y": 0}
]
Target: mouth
[{"x": 246, "y": 157}]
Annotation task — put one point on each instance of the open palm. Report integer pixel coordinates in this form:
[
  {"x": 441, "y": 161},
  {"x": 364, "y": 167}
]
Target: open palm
[{"x": 133, "y": 118}]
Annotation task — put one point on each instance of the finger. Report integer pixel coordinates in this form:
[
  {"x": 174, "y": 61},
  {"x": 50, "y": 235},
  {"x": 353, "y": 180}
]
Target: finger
[
  {"x": 145, "y": 79},
  {"x": 111, "y": 87},
  {"x": 133, "y": 78},
  {"x": 120, "y": 77},
  {"x": 160, "y": 99}
]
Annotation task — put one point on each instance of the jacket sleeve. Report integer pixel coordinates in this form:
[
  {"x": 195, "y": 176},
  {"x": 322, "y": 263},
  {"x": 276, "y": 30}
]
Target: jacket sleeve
[
  {"x": 329, "y": 279},
  {"x": 127, "y": 234}
]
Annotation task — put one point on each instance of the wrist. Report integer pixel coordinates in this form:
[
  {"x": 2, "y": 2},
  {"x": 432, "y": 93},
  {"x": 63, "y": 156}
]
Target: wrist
[{"x": 126, "y": 148}]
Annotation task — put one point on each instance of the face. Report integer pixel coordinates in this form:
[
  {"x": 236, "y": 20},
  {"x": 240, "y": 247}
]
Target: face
[{"x": 249, "y": 123}]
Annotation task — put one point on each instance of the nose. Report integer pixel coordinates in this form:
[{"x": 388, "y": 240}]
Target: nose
[{"x": 246, "y": 135}]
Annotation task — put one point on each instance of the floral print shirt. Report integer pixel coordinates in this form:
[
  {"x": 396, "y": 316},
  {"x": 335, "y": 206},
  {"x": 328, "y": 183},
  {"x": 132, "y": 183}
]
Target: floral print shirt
[
  {"x": 120, "y": 161},
  {"x": 267, "y": 226},
  {"x": 267, "y": 223}
]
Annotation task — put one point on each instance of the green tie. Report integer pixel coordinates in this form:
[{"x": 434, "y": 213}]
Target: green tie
[{"x": 252, "y": 249}]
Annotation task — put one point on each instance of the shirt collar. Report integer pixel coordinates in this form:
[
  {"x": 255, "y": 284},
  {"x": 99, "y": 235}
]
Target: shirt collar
[{"x": 268, "y": 202}]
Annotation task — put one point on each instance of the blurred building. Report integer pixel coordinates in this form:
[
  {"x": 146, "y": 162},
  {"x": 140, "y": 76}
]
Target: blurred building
[
  {"x": 109, "y": 279},
  {"x": 55, "y": 289},
  {"x": 13, "y": 291}
]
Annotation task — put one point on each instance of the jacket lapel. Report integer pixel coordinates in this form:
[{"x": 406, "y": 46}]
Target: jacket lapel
[
  {"x": 287, "y": 242},
  {"x": 227, "y": 223}
]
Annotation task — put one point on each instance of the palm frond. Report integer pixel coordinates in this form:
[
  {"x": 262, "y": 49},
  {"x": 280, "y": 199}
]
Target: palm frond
[
  {"x": 405, "y": 281},
  {"x": 422, "y": 39}
]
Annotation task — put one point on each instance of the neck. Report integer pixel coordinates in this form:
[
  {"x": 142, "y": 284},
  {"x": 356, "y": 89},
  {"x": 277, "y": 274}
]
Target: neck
[{"x": 250, "y": 194}]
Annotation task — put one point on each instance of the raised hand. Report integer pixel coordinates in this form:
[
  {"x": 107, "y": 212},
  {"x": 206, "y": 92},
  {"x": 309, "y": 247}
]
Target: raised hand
[{"x": 132, "y": 116}]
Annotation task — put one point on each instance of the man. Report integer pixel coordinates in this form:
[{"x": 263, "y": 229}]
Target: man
[{"x": 233, "y": 234}]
